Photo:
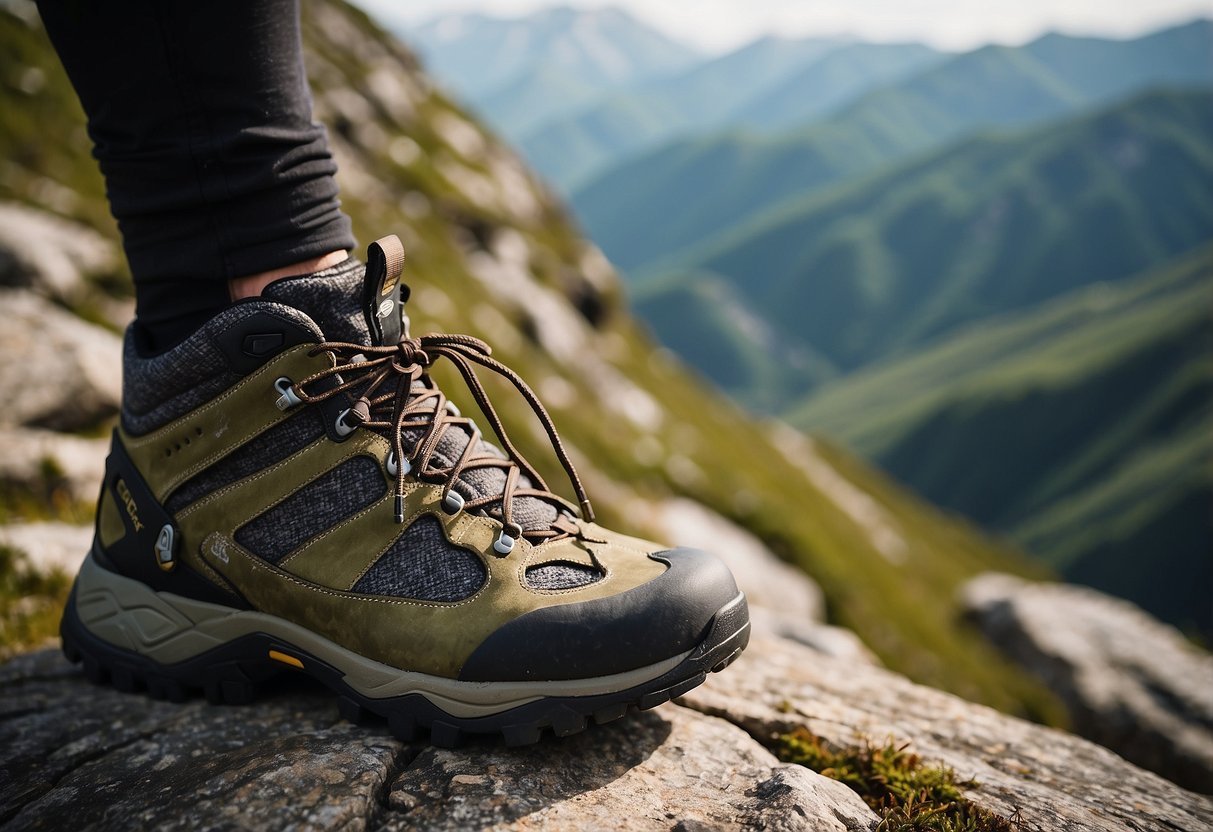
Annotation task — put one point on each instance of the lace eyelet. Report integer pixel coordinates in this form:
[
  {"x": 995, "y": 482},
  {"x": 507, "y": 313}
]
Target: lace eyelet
[
  {"x": 288, "y": 398},
  {"x": 452, "y": 503},
  {"x": 341, "y": 427},
  {"x": 392, "y": 469},
  {"x": 504, "y": 544}
]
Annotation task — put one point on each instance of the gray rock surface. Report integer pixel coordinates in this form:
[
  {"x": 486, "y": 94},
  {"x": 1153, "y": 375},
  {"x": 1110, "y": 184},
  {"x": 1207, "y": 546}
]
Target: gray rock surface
[
  {"x": 87, "y": 756},
  {"x": 1049, "y": 779},
  {"x": 49, "y": 254},
  {"x": 83, "y": 757},
  {"x": 837, "y": 642},
  {"x": 49, "y": 545},
  {"x": 1131, "y": 683},
  {"x": 766, "y": 580},
  {"x": 663, "y": 769},
  {"x": 79, "y": 756},
  {"x": 784, "y": 601},
  {"x": 79, "y": 462},
  {"x": 58, "y": 372}
]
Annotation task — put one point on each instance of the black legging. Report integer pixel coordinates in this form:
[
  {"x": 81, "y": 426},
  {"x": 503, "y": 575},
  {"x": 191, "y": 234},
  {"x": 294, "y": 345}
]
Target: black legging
[{"x": 201, "y": 118}]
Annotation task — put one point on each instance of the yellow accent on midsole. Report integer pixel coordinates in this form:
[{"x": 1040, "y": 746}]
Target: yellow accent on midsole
[
  {"x": 168, "y": 628},
  {"x": 285, "y": 659}
]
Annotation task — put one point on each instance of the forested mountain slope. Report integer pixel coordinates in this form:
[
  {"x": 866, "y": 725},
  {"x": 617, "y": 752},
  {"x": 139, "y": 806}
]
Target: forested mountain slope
[{"x": 1079, "y": 427}]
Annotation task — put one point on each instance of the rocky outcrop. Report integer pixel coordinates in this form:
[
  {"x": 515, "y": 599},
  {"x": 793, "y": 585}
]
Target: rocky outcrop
[
  {"x": 49, "y": 254},
  {"x": 671, "y": 768},
  {"x": 80, "y": 755},
  {"x": 1047, "y": 779},
  {"x": 1130, "y": 682},
  {"x": 38, "y": 461},
  {"x": 766, "y": 580},
  {"x": 49, "y": 546},
  {"x": 58, "y": 371}
]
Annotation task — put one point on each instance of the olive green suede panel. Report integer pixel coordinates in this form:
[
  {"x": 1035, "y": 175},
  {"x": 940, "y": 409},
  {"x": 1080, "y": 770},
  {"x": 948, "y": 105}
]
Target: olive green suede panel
[
  {"x": 171, "y": 455},
  {"x": 110, "y": 527},
  {"x": 429, "y": 637},
  {"x": 600, "y": 538}
]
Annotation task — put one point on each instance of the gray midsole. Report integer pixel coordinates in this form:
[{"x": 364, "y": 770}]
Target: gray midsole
[{"x": 169, "y": 628}]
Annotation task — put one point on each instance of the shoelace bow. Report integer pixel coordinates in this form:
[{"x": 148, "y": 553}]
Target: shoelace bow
[{"x": 386, "y": 376}]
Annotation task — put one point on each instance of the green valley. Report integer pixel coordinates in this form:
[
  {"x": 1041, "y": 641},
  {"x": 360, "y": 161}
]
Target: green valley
[{"x": 1080, "y": 428}]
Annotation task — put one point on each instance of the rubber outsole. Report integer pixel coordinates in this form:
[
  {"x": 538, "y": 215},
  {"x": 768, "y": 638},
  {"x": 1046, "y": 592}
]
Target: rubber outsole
[{"x": 232, "y": 673}]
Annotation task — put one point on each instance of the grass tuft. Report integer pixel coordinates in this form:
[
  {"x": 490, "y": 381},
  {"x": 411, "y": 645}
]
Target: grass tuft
[
  {"x": 31, "y": 603},
  {"x": 907, "y": 793},
  {"x": 47, "y": 497}
]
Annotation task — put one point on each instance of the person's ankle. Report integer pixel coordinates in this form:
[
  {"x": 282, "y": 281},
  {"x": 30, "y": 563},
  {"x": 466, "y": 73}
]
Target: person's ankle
[{"x": 251, "y": 285}]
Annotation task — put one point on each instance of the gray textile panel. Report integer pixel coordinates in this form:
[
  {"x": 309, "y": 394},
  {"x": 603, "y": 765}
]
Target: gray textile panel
[
  {"x": 422, "y": 564},
  {"x": 561, "y": 575},
  {"x": 164, "y": 387}
]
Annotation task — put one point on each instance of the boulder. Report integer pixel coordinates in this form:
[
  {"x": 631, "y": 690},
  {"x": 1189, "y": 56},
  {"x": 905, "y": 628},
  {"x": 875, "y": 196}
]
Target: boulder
[
  {"x": 766, "y": 580},
  {"x": 1131, "y": 683},
  {"x": 37, "y": 460},
  {"x": 83, "y": 756},
  {"x": 49, "y": 545},
  {"x": 1045, "y": 778},
  {"x": 49, "y": 254},
  {"x": 838, "y": 642},
  {"x": 56, "y": 371}
]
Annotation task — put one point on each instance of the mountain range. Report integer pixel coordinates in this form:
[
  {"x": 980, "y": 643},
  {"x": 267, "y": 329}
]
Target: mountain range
[
  {"x": 984, "y": 226},
  {"x": 576, "y": 90},
  {"x": 769, "y": 84},
  {"x": 520, "y": 73},
  {"x": 654, "y": 208},
  {"x": 595, "y": 49}
]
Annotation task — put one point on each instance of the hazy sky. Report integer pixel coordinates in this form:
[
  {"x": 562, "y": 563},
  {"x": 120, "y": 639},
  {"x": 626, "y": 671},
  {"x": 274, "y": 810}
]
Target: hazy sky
[{"x": 719, "y": 24}]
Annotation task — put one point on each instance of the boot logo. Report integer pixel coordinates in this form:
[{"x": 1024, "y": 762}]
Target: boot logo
[{"x": 128, "y": 500}]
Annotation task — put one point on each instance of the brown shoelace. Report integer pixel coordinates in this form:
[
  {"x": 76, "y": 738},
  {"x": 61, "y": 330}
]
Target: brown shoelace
[{"x": 388, "y": 400}]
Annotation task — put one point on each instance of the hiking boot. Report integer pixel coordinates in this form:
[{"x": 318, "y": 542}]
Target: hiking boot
[{"x": 289, "y": 491}]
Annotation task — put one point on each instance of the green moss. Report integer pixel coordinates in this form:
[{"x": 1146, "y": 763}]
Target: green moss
[
  {"x": 907, "y": 793},
  {"x": 31, "y": 603}
]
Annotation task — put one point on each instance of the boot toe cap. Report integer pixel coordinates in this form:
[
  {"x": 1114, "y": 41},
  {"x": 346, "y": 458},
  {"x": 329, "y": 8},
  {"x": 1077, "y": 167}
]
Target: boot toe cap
[{"x": 665, "y": 617}]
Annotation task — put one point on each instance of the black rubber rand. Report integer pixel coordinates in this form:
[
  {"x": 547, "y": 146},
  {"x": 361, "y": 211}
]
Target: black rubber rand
[{"x": 232, "y": 672}]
